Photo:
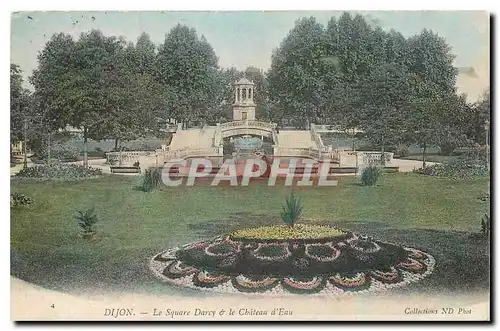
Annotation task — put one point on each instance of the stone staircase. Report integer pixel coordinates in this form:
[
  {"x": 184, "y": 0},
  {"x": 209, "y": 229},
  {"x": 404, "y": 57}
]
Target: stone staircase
[
  {"x": 207, "y": 141},
  {"x": 295, "y": 139},
  {"x": 193, "y": 138}
]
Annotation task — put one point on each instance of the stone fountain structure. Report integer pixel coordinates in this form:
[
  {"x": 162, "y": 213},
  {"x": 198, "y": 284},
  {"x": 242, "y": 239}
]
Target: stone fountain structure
[{"x": 208, "y": 141}]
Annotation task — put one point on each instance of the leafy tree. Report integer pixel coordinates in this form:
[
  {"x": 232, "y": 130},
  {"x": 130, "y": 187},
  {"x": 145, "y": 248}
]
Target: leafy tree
[
  {"x": 482, "y": 118},
  {"x": 356, "y": 45},
  {"x": 386, "y": 95},
  {"x": 425, "y": 123},
  {"x": 51, "y": 80},
  {"x": 141, "y": 108},
  {"x": 396, "y": 48},
  {"x": 295, "y": 78},
  {"x": 81, "y": 83},
  {"x": 224, "y": 97},
  {"x": 261, "y": 96},
  {"x": 19, "y": 103},
  {"x": 430, "y": 57},
  {"x": 145, "y": 54},
  {"x": 99, "y": 85},
  {"x": 187, "y": 66}
]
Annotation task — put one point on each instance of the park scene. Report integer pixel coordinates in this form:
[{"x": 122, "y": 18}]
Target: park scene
[{"x": 355, "y": 162}]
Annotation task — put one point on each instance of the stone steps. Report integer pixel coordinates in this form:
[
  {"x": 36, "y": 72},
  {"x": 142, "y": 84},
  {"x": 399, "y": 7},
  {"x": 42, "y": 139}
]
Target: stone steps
[
  {"x": 295, "y": 139},
  {"x": 193, "y": 138}
]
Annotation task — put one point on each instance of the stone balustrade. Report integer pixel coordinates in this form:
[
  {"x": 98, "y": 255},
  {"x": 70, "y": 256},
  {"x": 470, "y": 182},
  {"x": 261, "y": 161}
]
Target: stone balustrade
[
  {"x": 275, "y": 137},
  {"x": 190, "y": 152},
  {"x": 248, "y": 123},
  {"x": 333, "y": 128},
  {"x": 316, "y": 137},
  {"x": 375, "y": 157},
  {"x": 290, "y": 152},
  {"x": 243, "y": 127},
  {"x": 361, "y": 158}
]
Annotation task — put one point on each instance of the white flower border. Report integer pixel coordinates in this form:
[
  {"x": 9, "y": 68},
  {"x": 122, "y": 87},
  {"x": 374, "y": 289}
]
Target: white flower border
[
  {"x": 237, "y": 248},
  {"x": 283, "y": 257},
  {"x": 369, "y": 250},
  {"x": 336, "y": 252}
]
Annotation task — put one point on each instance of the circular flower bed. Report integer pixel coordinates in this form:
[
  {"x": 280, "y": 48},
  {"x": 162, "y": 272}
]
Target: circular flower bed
[{"x": 296, "y": 260}]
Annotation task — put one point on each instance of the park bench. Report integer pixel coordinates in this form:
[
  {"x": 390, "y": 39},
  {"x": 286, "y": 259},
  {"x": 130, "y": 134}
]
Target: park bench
[
  {"x": 343, "y": 170},
  {"x": 391, "y": 169},
  {"x": 301, "y": 170},
  {"x": 125, "y": 169}
]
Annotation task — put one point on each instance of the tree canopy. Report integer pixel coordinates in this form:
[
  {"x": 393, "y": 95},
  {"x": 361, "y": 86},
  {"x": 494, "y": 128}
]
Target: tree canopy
[{"x": 348, "y": 73}]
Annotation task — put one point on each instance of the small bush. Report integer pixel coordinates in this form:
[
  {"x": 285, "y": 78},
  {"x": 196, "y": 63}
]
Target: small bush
[
  {"x": 403, "y": 152},
  {"x": 60, "y": 152},
  {"x": 151, "y": 180},
  {"x": 459, "y": 168},
  {"x": 484, "y": 196},
  {"x": 370, "y": 175},
  {"x": 431, "y": 170},
  {"x": 292, "y": 209},
  {"x": 447, "y": 148},
  {"x": 87, "y": 220},
  {"x": 60, "y": 171},
  {"x": 92, "y": 154},
  {"x": 17, "y": 200},
  {"x": 485, "y": 225}
]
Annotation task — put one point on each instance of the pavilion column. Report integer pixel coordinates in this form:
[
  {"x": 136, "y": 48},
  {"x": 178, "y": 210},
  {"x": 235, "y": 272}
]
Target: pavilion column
[
  {"x": 239, "y": 92},
  {"x": 235, "y": 95}
]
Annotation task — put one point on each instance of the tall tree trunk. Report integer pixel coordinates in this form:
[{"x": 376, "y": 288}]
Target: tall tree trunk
[
  {"x": 353, "y": 137},
  {"x": 116, "y": 143},
  {"x": 48, "y": 147},
  {"x": 353, "y": 142},
  {"x": 424, "y": 155},
  {"x": 85, "y": 160},
  {"x": 383, "y": 154},
  {"x": 25, "y": 143}
]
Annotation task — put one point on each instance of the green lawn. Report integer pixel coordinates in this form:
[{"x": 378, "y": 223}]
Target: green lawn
[{"x": 47, "y": 247}]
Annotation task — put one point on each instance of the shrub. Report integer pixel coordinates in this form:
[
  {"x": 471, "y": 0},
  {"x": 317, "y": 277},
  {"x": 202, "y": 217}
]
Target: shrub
[
  {"x": 87, "y": 220},
  {"x": 459, "y": 168},
  {"x": 57, "y": 170},
  {"x": 370, "y": 175},
  {"x": 292, "y": 209},
  {"x": 484, "y": 196},
  {"x": 430, "y": 170},
  {"x": 92, "y": 154},
  {"x": 403, "y": 152},
  {"x": 447, "y": 148},
  {"x": 485, "y": 225},
  {"x": 17, "y": 199},
  {"x": 61, "y": 152},
  {"x": 151, "y": 180},
  {"x": 463, "y": 168}
]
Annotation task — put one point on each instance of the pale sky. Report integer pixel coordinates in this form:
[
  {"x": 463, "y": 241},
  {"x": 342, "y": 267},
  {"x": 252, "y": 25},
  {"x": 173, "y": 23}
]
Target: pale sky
[{"x": 242, "y": 39}]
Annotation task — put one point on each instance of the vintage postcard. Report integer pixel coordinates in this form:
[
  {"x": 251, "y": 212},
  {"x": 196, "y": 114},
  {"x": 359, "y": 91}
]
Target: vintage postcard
[{"x": 250, "y": 166}]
